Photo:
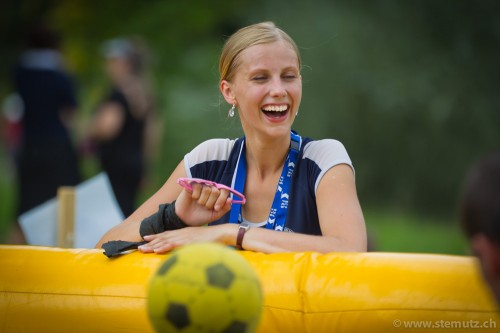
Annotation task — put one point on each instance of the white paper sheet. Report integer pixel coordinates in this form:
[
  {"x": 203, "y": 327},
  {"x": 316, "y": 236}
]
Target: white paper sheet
[{"x": 96, "y": 212}]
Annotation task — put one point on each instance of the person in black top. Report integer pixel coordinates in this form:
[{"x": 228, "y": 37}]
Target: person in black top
[
  {"x": 47, "y": 157},
  {"x": 118, "y": 128}
]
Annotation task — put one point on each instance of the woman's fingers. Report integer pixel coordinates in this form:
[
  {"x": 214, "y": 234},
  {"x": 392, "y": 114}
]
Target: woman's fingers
[
  {"x": 202, "y": 193},
  {"x": 203, "y": 204},
  {"x": 169, "y": 240},
  {"x": 196, "y": 193},
  {"x": 209, "y": 196},
  {"x": 221, "y": 200},
  {"x": 158, "y": 243}
]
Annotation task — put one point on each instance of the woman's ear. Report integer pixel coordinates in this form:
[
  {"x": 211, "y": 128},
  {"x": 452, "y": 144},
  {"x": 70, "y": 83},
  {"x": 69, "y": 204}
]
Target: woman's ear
[{"x": 227, "y": 91}]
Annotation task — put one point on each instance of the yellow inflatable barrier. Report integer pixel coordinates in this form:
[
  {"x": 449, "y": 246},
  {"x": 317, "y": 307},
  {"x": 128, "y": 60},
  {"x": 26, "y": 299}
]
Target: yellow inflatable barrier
[{"x": 45, "y": 289}]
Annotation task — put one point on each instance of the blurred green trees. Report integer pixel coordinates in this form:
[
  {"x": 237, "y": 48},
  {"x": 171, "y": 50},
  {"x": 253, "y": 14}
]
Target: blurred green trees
[{"x": 411, "y": 88}]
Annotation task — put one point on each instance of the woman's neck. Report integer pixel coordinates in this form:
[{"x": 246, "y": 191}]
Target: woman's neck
[{"x": 266, "y": 158}]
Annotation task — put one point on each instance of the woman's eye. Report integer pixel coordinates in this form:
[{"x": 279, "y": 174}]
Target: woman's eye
[
  {"x": 259, "y": 78},
  {"x": 289, "y": 76}
]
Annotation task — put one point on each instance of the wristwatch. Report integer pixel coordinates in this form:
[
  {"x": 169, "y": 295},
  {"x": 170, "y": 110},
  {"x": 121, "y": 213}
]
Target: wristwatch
[{"x": 241, "y": 233}]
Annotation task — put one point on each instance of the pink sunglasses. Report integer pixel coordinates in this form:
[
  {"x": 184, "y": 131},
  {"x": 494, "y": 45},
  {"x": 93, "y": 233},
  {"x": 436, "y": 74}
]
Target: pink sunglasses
[{"x": 186, "y": 183}]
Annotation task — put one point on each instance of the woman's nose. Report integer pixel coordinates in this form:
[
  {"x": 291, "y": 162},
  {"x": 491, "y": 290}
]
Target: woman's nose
[{"x": 278, "y": 89}]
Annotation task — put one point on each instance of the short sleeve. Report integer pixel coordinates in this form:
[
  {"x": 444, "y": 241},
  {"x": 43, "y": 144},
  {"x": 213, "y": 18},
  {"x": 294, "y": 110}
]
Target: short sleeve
[
  {"x": 326, "y": 154},
  {"x": 207, "y": 153}
]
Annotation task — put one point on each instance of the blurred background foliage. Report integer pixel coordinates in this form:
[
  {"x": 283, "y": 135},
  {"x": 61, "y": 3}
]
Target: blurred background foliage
[{"x": 411, "y": 88}]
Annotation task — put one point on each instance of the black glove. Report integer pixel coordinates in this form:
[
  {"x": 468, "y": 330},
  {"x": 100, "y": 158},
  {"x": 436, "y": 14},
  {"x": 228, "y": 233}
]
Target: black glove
[
  {"x": 164, "y": 219},
  {"x": 116, "y": 248}
]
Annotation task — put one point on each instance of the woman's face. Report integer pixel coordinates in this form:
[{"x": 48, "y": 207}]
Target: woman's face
[
  {"x": 118, "y": 69},
  {"x": 267, "y": 89}
]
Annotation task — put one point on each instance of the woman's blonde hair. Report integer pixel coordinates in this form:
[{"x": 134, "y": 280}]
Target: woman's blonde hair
[{"x": 260, "y": 33}]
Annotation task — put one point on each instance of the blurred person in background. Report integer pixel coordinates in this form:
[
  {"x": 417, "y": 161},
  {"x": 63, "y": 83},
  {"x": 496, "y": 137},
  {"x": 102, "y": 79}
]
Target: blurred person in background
[
  {"x": 47, "y": 158},
  {"x": 122, "y": 126},
  {"x": 480, "y": 217},
  {"x": 12, "y": 127}
]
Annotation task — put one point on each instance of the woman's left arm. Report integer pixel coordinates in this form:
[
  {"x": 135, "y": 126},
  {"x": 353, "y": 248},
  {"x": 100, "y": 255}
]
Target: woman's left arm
[
  {"x": 339, "y": 210},
  {"x": 340, "y": 217}
]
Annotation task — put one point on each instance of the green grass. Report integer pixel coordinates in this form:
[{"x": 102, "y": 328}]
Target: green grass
[
  {"x": 8, "y": 194},
  {"x": 398, "y": 232}
]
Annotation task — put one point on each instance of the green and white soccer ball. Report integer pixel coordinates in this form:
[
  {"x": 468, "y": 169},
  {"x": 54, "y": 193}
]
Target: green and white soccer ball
[{"x": 205, "y": 287}]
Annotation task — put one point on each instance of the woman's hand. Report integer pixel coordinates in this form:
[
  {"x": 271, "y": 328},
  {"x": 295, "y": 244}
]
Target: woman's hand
[
  {"x": 198, "y": 207},
  {"x": 169, "y": 240},
  {"x": 202, "y": 205}
]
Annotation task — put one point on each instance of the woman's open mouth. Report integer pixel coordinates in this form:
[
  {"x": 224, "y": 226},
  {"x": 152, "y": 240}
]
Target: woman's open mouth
[{"x": 276, "y": 112}]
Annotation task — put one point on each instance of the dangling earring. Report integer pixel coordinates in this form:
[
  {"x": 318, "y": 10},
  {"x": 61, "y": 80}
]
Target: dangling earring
[{"x": 231, "y": 111}]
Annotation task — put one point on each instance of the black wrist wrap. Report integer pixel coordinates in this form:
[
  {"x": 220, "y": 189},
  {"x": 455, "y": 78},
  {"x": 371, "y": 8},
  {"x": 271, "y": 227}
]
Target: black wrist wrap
[{"x": 163, "y": 220}]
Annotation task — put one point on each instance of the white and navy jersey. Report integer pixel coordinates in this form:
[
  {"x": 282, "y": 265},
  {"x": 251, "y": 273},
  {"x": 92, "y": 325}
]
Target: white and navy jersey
[{"x": 216, "y": 160}]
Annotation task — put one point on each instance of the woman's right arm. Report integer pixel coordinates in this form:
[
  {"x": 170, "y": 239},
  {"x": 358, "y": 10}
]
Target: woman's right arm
[{"x": 128, "y": 230}]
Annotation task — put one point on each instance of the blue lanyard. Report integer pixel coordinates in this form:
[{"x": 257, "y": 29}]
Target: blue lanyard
[{"x": 277, "y": 214}]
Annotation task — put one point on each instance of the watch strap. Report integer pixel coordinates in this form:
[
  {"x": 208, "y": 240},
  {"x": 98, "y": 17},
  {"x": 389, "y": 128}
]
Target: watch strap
[{"x": 241, "y": 233}]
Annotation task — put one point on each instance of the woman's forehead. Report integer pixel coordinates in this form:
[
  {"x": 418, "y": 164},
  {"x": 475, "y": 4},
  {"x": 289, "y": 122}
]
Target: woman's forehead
[{"x": 279, "y": 53}]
